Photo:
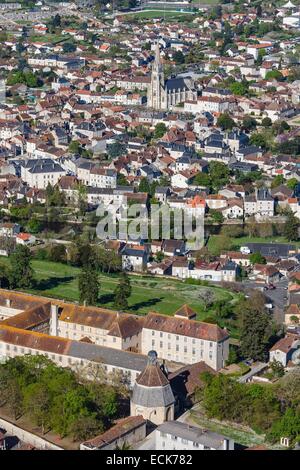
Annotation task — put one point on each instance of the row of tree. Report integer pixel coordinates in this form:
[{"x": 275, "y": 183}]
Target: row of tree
[
  {"x": 273, "y": 409},
  {"x": 56, "y": 399}
]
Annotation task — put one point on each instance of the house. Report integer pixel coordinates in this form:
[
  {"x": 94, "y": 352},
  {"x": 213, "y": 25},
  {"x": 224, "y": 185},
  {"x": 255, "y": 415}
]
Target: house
[
  {"x": 292, "y": 313},
  {"x": 25, "y": 239},
  {"x": 181, "y": 268},
  {"x": 266, "y": 273},
  {"x": 38, "y": 173},
  {"x": 134, "y": 258},
  {"x": 173, "y": 247},
  {"x": 286, "y": 350},
  {"x": 260, "y": 205},
  {"x": 234, "y": 209},
  {"x": 8, "y": 229},
  {"x": 178, "y": 436},
  {"x": 126, "y": 431}
]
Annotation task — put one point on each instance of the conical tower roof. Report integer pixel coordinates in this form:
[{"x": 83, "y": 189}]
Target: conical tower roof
[{"x": 152, "y": 388}]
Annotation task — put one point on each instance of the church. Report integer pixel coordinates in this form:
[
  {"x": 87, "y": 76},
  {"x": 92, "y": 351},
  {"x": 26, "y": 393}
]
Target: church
[{"x": 165, "y": 94}]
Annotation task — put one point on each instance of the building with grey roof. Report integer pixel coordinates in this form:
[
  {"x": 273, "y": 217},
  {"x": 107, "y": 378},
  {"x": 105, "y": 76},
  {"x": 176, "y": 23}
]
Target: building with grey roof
[
  {"x": 174, "y": 435},
  {"x": 152, "y": 396}
]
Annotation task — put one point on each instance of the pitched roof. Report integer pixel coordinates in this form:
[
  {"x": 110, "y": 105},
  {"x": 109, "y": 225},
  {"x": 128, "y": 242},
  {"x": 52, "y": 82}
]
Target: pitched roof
[
  {"x": 180, "y": 326},
  {"x": 121, "y": 428}
]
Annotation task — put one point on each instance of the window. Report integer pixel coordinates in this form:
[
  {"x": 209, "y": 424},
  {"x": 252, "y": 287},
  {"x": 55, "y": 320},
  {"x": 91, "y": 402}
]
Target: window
[
  {"x": 184, "y": 441},
  {"x": 177, "y": 338},
  {"x": 161, "y": 344},
  {"x": 185, "y": 339},
  {"x": 82, "y": 327},
  {"x": 194, "y": 351},
  {"x": 210, "y": 355},
  {"x": 210, "y": 345},
  {"x": 153, "y": 342},
  {"x": 185, "y": 349},
  {"x": 153, "y": 332},
  {"x": 177, "y": 348},
  {"x": 160, "y": 334},
  {"x": 114, "y": 339}
]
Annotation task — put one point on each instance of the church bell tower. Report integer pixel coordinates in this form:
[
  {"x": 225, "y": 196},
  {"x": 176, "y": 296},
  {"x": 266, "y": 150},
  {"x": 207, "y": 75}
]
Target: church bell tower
[{"x": 156, "y": 98}]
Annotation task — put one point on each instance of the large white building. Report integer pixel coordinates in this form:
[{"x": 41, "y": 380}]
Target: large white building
[
  {"x": 184, "y": 340},
  {"x": 38, "y": 173}
]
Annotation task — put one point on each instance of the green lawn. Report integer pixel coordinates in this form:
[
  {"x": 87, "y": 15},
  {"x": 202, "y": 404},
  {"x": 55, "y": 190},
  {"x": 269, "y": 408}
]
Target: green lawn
[
  {"x": 161, "y": 14},
  {"x": 241, "y": 241},
  {"x": 162, "y": 295}
]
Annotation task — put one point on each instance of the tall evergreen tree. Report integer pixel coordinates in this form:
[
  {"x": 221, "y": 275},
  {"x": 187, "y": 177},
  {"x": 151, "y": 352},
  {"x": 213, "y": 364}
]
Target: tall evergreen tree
[
  {"x": 256, "y": 327},
  {"x": 122, "y": 292},
  {"x": 291, "y": 228},
  {"x": 88, "y": 285},
  {"x": 21, "y": 274}
]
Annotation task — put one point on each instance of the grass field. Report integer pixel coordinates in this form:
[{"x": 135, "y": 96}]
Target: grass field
[
  {"x": 151, "y": 14},
  {"x": 241, "y": 241},
  {"x": 158, "y": 294}
]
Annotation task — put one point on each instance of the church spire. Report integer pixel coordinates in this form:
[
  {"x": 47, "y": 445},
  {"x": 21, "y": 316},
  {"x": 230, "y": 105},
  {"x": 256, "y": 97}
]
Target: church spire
[{"x": 157, "y": 54}]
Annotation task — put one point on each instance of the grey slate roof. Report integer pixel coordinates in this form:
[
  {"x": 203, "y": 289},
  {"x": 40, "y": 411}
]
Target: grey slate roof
[
  {"x": 109, "y": 356},
  {"x": 192, "y": 433},
  {"x": 152, "y": 396}
]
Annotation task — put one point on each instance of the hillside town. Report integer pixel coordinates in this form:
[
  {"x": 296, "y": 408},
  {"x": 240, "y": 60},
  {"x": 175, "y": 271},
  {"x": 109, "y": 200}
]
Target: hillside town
[{"x": 149, "y": 225}]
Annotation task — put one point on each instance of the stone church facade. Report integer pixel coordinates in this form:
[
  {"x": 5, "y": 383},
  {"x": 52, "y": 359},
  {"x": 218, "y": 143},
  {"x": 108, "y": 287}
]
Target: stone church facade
[{"x": 165, "y": 94}]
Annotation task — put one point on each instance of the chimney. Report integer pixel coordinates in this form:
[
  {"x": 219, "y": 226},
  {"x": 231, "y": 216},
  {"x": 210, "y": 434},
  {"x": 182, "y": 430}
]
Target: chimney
[
  {"x": 8, "y": 303},
  {"x": 54, "y": 320}
]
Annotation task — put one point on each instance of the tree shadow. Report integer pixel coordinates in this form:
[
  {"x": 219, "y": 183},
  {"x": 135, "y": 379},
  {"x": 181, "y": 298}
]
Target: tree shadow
[
  {"x": 146, "y": 303},
  {"x": 51, "y": 282},
  {"x": 106, "y": 298}
]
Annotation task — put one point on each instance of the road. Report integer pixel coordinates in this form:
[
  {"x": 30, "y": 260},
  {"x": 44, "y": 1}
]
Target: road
[{"x": 277, "y": 296}]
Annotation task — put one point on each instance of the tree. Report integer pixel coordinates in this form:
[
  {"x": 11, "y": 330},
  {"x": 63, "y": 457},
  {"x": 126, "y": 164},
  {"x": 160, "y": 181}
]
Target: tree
[
  {"x": 202, "y": 179},
  {"x": 291, "y": 228},
  {"x": 257, "y": 258},
  {"x": 144, "y": 186},
  {"x": 239, "y": 88},
  {"x": 216, "y": 216},
  {"x": 219, "y": 174},
  {"x": 266, "y": 122},
  {"x": 274, "y": 75},
  {"x": 256, "y": 326},
  {"x": 225, "y": 122},
  {"x": 122, "y": 292},
  {"x": 88, "y": 285},
  {"x": 179, "y": 58},
  {"x": 277, "y": 181},
  {"x": 116, "y": 149},
  {"x": 37, "y": 404},
  {"x": 57, "y": 253},
  {"x": 74, "y": 147},
  {"x": 249, "y": 123},
  {"x": 34, "y": 225},
  {"x": 68, "y": 47},
  {"x": 287, "y": 426},
  {"x": 121, "y": 180},
  {"x": 21, "y": 274},
  {"x": 260, "y": 140},
  {"x": 277, "y": 368},
  {"x": 160, "y": 130},
  {"x": 292, "y": 183}
]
